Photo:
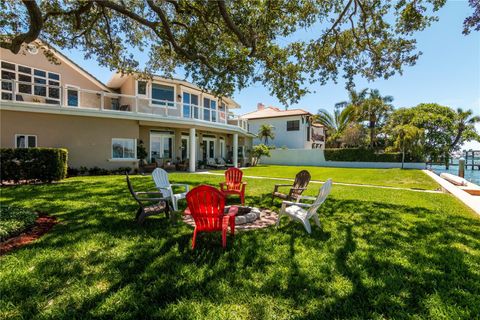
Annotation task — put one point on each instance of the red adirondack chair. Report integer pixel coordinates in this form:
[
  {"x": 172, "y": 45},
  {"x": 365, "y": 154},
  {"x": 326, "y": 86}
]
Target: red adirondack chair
[
  {"x": 233, "y": 184},
  {"x": 207, "y": 206}
]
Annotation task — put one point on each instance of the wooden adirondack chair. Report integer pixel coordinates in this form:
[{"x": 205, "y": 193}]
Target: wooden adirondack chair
[
  {"x": 296, "y": 189},
  {"x": 302, "y": 211},
  {"x": 160, "y": 177},
  {"x": 153, "y": 205},
  {"x": 233, "y": 184},
  {"x": 207, "y": 207}
]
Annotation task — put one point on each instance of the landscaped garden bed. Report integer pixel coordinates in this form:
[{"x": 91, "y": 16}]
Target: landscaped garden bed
[{"x": 380, "y": 253}]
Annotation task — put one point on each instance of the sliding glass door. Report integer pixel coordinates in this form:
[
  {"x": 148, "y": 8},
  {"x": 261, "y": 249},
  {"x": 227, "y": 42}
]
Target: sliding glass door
[{"x": 161, "y": 145}]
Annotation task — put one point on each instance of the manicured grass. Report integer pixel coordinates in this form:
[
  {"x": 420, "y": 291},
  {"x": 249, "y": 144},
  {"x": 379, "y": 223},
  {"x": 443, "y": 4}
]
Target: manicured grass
[
  {"x": 379, "y": 254},
  {"x": 382, "y": 177},
  {"x": 14, "y": 220}
]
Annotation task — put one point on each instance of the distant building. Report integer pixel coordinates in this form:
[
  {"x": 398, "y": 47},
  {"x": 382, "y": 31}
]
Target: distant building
[{"x": 293, "y": 128}]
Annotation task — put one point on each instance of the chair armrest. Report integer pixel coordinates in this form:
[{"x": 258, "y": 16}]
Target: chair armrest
[
  {"x": 180, "y": 185},
  {"x": 151, "y": 199},
  {"x": 148, "y": 192},
  {"x": 290, "y": 203},
  {"x": 244, "y": 185},
  {"x": 306, "y": 198}
]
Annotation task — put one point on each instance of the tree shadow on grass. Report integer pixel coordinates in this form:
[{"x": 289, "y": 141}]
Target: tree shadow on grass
[{"x": 369, "y": 259}]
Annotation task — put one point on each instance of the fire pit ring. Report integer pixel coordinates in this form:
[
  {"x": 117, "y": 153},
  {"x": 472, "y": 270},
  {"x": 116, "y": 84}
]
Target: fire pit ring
[{"x": 245, "y": 214}]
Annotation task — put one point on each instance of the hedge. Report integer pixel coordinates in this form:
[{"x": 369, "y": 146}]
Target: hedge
[
  {"x": 37, "y": 164},
  {"x": 365, "y": 155}
]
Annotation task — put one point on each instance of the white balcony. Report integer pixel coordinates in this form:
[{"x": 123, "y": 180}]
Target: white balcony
[{"x": 74, "y": 98}]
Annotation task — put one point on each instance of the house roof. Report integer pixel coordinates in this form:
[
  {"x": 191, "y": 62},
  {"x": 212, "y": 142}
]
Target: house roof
[
  {"x": 117, "y": 80},
  {"x": 272, "y": 112}
]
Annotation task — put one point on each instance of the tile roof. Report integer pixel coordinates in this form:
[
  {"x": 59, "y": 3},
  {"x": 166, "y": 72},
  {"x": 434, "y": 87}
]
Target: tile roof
[{"x": 272, "y": 112}]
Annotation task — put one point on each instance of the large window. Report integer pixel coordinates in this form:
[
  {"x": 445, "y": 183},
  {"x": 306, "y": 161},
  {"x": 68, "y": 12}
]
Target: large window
[
  {"x": 124, "y": 149},
  {"x": 161, "y": 145},
  {"x": 163, "y": 95},
  {"x": 29, "y": 81},
  {"x": 293, "y": 125},
  {"x": 25, "y": 141},
  {"x": 190, "y": 105}
]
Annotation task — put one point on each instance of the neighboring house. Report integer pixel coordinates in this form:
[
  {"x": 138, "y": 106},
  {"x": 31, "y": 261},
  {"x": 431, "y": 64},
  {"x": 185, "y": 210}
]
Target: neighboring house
[
  {"x": 61, "y": 105},
  {"x": 293, "y": 128}
]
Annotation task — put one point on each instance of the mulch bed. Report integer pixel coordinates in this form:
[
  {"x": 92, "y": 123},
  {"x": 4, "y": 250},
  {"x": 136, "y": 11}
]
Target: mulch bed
[{"x": 42, "y": 225}]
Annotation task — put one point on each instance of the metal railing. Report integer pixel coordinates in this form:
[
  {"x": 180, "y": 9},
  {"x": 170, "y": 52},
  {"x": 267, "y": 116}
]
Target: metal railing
[{"x": 73, "y": 97}]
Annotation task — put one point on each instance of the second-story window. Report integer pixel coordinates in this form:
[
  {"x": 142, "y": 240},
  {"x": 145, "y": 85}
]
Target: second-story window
[
  {"x": 141, "y": 88},
  {"x": 30, "y": 81},
  {"x": 293, "y": 125},
  {"x": 163, "y": 95},
  {"x": 209, "y": 111}
]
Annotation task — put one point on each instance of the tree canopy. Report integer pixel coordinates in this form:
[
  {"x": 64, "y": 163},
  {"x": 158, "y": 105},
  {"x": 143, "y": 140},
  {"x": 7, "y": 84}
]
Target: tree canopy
[{"x": 228, "y": 45}]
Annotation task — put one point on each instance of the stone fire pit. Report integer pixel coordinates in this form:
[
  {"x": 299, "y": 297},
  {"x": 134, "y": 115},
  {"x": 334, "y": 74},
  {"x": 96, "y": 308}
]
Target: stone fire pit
[
  {"x": 247, "y": 218},
  {"x": 245, "y": 214}
]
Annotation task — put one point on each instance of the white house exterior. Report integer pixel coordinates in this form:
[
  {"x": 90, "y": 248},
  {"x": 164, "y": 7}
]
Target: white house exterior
[{"x": 293, "y": 128}]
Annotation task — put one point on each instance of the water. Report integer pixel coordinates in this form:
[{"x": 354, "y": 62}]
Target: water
[{"x": 470, "y": 175}]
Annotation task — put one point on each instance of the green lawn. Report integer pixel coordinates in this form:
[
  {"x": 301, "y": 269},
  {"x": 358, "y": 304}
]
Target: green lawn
[
  {"x": 380, "y": 254},
  {"x": 382, "y": 177}
]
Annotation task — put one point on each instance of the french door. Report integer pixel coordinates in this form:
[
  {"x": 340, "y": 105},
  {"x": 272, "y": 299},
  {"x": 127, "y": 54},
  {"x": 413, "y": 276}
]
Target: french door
[{"x": 161, "y": 145}]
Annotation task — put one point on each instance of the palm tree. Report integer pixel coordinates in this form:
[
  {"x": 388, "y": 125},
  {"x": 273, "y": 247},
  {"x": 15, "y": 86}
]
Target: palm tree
[
  {"x": 373, "y": 109},
  {"x": 463, "y": 120},
  {"x": 266, "y": 131},
  {"x": 335, "y": 123}
]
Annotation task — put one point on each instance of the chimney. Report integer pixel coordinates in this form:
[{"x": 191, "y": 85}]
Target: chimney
[{"x": 260, "y": 106}]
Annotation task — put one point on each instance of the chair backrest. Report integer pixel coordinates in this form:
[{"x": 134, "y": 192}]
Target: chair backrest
[
  {"x": 130, "y": 188},
  {"x": 160, "y": 177},
  {"x": 301, "y": 181},
  {"x": 322, "y": 196},
  {"x": 233, "y": 178},
  {"x": 206, "y": 205}
]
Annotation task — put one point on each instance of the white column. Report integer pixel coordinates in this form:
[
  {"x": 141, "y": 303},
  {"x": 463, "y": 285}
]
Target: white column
[
  {"x": 235, "y": 150},
  {"x": 193, "y": 151}
]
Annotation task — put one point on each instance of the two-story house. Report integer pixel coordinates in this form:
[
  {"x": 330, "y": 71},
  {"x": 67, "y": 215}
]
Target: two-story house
[
  {"x": 61, "y": 105},
  {"x": 293, "y": 128}
]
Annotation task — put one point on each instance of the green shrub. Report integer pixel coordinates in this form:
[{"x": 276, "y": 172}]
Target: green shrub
[
  {"x": 40, "y": 164},
  {"x": 365, "y": 155},
  {"x": 14, "y": 220}
]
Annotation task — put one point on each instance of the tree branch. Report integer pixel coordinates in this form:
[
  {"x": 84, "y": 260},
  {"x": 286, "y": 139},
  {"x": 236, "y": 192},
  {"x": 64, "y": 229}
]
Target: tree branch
[
  {"x": 234, "y": 28},
  {"x": 34, "y": 28}
]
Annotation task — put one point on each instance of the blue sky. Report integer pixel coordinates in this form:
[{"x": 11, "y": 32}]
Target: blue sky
[{"x": 447, "y": 73}]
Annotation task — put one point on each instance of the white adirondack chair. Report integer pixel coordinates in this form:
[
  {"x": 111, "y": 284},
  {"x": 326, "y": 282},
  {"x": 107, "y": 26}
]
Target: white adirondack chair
[
  {"x": 160, "y": 177},
  {"x": 302, "y": 211}
]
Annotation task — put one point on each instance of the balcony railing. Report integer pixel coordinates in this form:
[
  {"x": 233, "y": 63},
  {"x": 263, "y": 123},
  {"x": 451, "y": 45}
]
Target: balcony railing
[{"x": 67, "y": 97}]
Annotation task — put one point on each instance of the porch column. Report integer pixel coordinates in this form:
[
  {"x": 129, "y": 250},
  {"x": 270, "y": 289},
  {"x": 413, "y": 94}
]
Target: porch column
[
  {"x": 193, "y": 151},
  {"x": 235, "y": 150}
]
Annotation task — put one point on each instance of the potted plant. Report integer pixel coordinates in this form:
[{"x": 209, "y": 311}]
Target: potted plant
[{"x": 141, "y": 153}]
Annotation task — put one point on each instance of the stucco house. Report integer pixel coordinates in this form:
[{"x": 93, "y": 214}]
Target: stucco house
[
  {"x": 293, "y": 128},
  {"x": 61, "y": 105}
]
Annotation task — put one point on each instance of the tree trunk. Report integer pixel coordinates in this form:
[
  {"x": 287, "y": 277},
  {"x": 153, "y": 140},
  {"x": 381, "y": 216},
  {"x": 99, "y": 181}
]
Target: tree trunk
[
  {"x": 372, "y": 133},
  {"x": 403, "y": 156}
]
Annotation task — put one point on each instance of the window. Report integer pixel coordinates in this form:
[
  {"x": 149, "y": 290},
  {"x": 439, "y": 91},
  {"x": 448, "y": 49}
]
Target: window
[
  {"x": 163, "y": 95},
  {"x": 308, "y": 132},
  {"x": 124, "y": 149},
  {"x": 161, "y": 145},
  {"x": 293, "y": 125},
  {"x": 73, "y": 98},
  {"x": 141, "y": 88},
  {"x": 25, "y": 141},
  {"x": 209, "y": 110},
  {"x": 190, "y": 105},
  {"x": 29, "y": 81}
]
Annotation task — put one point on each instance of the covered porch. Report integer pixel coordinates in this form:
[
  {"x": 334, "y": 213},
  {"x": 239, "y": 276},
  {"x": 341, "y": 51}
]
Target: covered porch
[{"x": 192, "y": 146}]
